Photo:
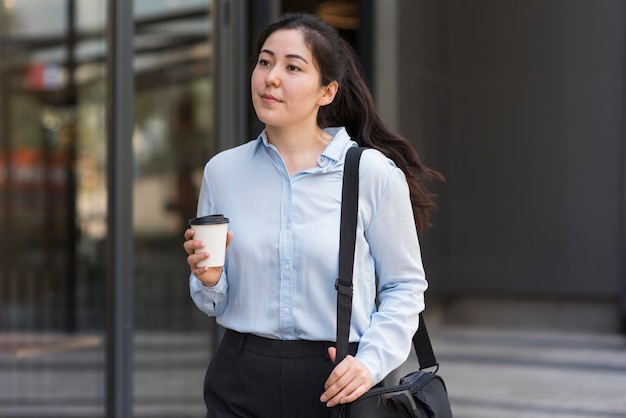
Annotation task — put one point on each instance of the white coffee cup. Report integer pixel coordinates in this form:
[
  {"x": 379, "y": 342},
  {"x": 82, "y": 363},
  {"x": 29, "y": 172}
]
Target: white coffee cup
[{"x": 211, "y": 230}]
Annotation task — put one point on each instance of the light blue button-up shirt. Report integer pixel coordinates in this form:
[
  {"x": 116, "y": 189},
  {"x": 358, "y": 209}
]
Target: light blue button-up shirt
[{"x": 282, "y": 263}]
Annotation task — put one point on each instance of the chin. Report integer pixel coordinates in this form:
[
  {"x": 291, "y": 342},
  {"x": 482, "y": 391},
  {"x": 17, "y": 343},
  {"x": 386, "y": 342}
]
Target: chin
[{"x": 267, "y": 120}]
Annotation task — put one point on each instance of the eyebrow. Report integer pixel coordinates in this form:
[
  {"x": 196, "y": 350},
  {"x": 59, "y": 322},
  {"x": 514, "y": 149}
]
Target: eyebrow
[{"x": 296, "y": 56}]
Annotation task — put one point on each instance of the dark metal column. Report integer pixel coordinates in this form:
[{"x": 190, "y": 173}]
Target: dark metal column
[
  {"x": 232, "y": 90},
  {"x": 260, "y": 12},
  {"x": 71, "y": 238},
  {"x": 6, "y": 195},
  {"x": 623, "y": 199},
  {"x": 120, "y": 174},
  {"x": 365, "y": 40}
]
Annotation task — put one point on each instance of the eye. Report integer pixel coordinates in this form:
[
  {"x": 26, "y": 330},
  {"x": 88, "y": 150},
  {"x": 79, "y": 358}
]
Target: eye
[
  {"x": 263, "y": 62},
  {"x": 293, "y": 68}
]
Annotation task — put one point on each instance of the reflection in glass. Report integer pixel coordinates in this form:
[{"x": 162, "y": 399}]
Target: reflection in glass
[
  {"x": 53, "y": 203},
  {"x": 172, "y": 141},
  {"x": 51, "y": 270}
]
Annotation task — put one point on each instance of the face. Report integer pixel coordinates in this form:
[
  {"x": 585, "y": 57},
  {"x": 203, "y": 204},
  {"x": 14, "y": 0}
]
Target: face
[{"x": 285, "y": 83}]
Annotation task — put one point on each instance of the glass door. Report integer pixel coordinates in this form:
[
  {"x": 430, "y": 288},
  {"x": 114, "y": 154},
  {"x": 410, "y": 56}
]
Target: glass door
[
  {"x": 172, "y": 142},
  {"x": 53, "y": 205}
]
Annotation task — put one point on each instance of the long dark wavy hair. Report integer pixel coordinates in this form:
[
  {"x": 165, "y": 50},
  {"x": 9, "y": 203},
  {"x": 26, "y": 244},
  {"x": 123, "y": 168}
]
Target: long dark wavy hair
[{"x": 353, "y": 106}]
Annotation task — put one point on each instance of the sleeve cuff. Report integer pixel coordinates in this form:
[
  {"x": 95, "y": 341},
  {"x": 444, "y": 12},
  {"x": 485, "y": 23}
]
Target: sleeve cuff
[{"x": 209, "y": 299}]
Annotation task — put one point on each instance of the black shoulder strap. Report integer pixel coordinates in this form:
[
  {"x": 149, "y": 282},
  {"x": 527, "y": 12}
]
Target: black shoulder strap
[{"x": 347, "y": 239}]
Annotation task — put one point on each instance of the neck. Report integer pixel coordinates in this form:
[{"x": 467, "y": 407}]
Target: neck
[
  {"x": 295, "y": 139},
  {"x": 299, "y": 147}
]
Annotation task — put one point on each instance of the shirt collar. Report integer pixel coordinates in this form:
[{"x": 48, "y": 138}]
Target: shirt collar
[
  {"x": 334, "y": 150},
  {"x": 340, "y": 142}
]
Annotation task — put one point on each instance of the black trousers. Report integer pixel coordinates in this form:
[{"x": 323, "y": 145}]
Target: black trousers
[{"x": 251, "y": 376}]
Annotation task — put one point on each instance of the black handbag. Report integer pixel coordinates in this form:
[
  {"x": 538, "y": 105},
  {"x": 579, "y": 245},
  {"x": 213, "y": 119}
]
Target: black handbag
[{"x": 420, "y": 394}]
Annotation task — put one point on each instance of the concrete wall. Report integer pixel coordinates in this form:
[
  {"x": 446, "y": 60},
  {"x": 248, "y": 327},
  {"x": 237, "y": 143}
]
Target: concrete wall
[{"x": 521, "y": 106}]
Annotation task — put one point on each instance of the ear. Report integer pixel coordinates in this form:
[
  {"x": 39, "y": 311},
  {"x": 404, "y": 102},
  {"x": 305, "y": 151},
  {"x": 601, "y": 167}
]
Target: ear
[{"x": 328, "y": 93}]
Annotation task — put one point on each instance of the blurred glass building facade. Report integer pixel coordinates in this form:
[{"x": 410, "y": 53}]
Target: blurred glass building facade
[
  {"x": 54, "y": 200},
  {"x": 67, "y": 326}
]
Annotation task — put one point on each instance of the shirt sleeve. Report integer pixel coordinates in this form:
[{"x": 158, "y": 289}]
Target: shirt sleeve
[
  {"x": 394, "y": 246},
  {"x": 210, "y": 300}
]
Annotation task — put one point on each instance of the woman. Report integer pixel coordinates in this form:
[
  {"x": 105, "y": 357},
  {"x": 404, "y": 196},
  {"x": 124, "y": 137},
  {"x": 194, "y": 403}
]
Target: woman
[{"x": 282, "y": 193}]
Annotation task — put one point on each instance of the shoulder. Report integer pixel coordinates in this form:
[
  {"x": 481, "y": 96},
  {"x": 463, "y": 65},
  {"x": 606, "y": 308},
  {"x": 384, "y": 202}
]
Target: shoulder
[
  {"x": 382, "y": 187},
  {"x": 233, "y": 156},
  {"x": 376, "y": 160},
  {"x": 377, "y": 169}
]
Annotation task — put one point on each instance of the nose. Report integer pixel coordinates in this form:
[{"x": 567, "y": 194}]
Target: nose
[{"x": 272, "y": 77}]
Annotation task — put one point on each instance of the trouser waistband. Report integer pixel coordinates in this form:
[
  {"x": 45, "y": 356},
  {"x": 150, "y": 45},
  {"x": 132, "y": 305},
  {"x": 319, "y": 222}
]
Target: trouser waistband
[{"x": 280, "y": 348}]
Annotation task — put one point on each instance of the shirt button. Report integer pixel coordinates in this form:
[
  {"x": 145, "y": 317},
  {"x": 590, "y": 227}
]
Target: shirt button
[
  {"x": 286, "y": 267},
  {"x": 285, "y": 310}
]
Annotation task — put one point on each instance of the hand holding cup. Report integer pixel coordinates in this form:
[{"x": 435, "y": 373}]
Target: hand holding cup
[{"x": 207, "y": 240}]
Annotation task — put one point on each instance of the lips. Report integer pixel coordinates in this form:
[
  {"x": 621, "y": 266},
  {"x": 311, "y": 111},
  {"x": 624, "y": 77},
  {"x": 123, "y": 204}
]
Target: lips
[{"x": 269, "y": 99}]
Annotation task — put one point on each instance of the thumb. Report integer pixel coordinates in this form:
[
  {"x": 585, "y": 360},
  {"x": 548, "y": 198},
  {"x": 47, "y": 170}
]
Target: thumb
[
  {"x": 332, "y": 353},
  {"x": 229, "y": 237}
]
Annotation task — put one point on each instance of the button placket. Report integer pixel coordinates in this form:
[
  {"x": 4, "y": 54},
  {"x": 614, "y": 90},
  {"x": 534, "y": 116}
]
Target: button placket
[{"x": 285, "y": 260}]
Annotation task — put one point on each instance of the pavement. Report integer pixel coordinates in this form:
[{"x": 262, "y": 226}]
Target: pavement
[
  {"x": 489, "y": 373},
  {"x": 494, "y": 373}
]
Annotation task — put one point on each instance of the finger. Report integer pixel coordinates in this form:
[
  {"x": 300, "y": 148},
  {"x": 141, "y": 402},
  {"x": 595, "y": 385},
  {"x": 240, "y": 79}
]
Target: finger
[
  {"x": 192, "y": 245},
  {"x": 188, "y": 246},
  {"x": 229, "y": 237},
  {"x": 338, "y": 372},
  {"x": 337, "y": 380},
  {"x": 350, "y": 392},
  {"x": 337, "y": 391},
  {"x": 199, "y": 272},
  {"x": 194, "y": 258},
  {"x": 189, "y": 233},
  {"x": 209, "y": 276},
  {"x": 347, "y": 382},
  {"x": 332, "y": 353}
]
